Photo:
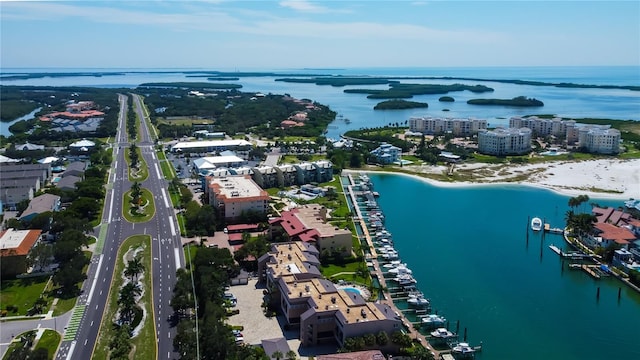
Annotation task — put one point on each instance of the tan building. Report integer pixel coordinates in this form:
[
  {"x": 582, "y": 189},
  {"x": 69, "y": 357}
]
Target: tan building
[
  {"x": 439, "y": 126},
  {"x": 230, "y": 196},
  {"x": 308, "y": 223},
  {"x": 324, "y": 313}
]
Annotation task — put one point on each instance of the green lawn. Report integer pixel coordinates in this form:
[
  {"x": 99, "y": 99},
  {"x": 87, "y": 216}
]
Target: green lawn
[
  {"x": 193, "y": 249},
  {"x": 50, "y": 340},
  {"x": 149, "y": 211},
  {"x": 143, "y": 173},
  {"x": 17, "y": 344},
  {"x": 184, "y": 121},
  {"x": 292, "y": 159},
  {"x": 144, "y": 345},
  {"x": 21, "y": 293},
  {"x": 330, "y": 272}
]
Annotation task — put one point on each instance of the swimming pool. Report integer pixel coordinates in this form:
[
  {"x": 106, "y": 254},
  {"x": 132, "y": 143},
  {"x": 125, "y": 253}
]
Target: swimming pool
[{"x": 352, "y": 289}]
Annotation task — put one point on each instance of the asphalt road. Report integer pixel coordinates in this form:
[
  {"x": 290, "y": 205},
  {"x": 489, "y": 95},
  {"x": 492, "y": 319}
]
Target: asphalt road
[{"x": 166, "y": 249}]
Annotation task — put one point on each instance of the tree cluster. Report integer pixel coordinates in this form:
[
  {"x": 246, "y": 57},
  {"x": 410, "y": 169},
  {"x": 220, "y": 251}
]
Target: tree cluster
[{"x": 211, "y": 269}]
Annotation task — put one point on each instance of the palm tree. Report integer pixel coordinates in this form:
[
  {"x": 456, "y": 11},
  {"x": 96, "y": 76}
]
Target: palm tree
[
  {"x": 127, "y": 301},
  {"x": 277, "y": 355},
  {"x": 134, "y": 268},
  {"x": 291, "y": 355}
]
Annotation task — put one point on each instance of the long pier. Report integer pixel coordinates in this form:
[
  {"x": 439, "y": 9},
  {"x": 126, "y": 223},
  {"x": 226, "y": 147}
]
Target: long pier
[{"x": 377, "y": 272}]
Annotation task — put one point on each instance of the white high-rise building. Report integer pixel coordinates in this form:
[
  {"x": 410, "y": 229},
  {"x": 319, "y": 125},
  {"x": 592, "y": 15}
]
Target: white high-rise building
[
  {"x": 439, "y": 126},
  {"x": 502, "y": 141}
]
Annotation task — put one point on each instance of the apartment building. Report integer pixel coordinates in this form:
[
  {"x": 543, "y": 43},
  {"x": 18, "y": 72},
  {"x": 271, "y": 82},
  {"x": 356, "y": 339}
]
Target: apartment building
[
  {"x": 440, "y": 126},
  {"x": 233, "y": 195},
  {"x": 501, "y": 142}
]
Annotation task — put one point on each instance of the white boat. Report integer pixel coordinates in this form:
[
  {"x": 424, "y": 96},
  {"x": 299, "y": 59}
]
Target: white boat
[
  {"x": 418, "y": 300},
  {"x": 401, "y": 269},
  {"x": 536, "y": 224},
  {"x": 433, "y": 320},
  {"x": 405, "y": 279},
  {"x": 463, "y": 349},
  {"x": 442, "y": 333}
]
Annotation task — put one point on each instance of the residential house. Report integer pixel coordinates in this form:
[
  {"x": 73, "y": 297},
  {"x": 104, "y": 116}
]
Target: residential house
[
  {"x": 15, "y": 246},
  {"x": 41, "y": 204},
  {"x": 386, "y": 154}
]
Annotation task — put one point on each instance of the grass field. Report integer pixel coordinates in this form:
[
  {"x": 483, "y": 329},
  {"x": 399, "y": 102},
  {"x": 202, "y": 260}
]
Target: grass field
[
  {"x": 346, "y": 272},
  {"x": 149, "y": 210},
  {"x": 184, "y": 121},
  {"x": 21, "y": 293},
  {"x": 50, "y": 340},
  {"x": 144, "y": 344}
]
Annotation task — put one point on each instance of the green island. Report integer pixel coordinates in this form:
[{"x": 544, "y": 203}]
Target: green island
[
  {"x": 405, "y": 91},
  {"x": 446, "y": 99},
  {"x": 399, "y": 104},
  {"x": 340, "y": 80},
  {"x": 189, "y": 85},
  {"x": 520, "y": 101},
  {"x": 17, "y": 76},
  {"x": 223, "y": 78}
]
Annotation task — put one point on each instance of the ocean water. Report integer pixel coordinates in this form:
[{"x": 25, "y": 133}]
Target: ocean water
[
  {"x": 469, "y": 252},
  {"x": 572, "y": 103}
]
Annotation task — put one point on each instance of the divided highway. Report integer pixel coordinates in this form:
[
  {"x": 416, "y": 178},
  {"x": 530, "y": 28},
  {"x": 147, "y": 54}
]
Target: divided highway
[{"x": 81, "y": 334}]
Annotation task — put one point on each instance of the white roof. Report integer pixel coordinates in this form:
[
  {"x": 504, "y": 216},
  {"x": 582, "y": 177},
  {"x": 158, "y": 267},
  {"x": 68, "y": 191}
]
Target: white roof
[
  {"x": 12, "y": 238},
  {"x": 48, "y": 160},
  {"x": 83, "y": 143},
  {"x": 210, "y": 143},
  {"x": 4, "y": 159}
]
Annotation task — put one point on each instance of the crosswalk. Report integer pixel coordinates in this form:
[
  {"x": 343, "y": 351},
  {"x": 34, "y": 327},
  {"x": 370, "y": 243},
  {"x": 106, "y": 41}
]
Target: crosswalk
[{"x": 74, "y": 322}]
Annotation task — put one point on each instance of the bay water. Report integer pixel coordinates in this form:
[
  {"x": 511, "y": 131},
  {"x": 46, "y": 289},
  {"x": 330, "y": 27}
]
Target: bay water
[
  {"x": 469, "y": 253},
  {"x": 357, "y": 111}
]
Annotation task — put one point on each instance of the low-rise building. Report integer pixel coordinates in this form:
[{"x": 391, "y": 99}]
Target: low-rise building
[
  {"x": 501, "y": 141},
  {"x": 41, "y": 204},
  {"x": 308, "y": 223},
  {"x": 386, "y": 154},
  {"x": 231, "y": 196},
  {"x": 15, "y": 246},
  {"x": 324, "y": 313}
]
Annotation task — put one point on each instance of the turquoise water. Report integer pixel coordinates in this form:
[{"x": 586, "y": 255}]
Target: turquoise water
[{"x": 468, "y": 251}]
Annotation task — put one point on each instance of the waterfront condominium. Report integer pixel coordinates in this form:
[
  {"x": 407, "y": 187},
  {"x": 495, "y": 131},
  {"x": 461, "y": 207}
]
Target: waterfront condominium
[
  {"x": 324, "y": 313},
  {"x": 439, "y": 126},
  {"x": 501, "y": 142}
]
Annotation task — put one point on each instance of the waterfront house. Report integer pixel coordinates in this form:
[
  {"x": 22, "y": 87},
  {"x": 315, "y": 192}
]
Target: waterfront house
[
  {"x": 502, "y": 142},
  {"x": 605, "y": 234},
  {"x": 386, "y": 154}
]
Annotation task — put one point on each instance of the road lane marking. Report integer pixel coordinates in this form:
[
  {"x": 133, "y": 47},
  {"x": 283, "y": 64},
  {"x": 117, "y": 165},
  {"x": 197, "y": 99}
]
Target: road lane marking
[
  {"x": 176, "y": 253},
  {"x": 95, "y": 280},
  {"x": 164, "y": 197},
  {"x": 157, "y": 171},
  {"x": 173, "y": 228}
]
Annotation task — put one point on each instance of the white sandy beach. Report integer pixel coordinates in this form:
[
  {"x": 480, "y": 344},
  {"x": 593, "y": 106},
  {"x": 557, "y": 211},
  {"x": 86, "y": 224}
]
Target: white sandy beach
[{"x": 604, "y": 178}]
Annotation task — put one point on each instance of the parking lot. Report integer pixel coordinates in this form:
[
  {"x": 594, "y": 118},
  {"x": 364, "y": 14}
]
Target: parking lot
[{"x": 256, "y": 325}]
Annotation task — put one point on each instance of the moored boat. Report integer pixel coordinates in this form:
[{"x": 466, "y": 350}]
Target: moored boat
[
  {"x": 433, "y": 320},
  {"x": 536, "y": 224}
]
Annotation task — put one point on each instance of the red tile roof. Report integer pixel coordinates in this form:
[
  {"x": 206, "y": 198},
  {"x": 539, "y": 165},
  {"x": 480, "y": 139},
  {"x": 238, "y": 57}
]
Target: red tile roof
[
  {"x": 235, "y": 237},
  {"x": 242, "y": 227},
  {"x": 618, "y": 234},
  {"x": 25, "y": 245}
]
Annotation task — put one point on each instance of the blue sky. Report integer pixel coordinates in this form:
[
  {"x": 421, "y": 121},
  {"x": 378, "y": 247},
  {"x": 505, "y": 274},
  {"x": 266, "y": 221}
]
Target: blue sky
[{"x": 220, "y": 34}]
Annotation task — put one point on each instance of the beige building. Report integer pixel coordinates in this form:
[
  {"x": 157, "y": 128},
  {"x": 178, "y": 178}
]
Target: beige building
[
  {"x": 324, "y": 313},
  {"x": 439, "y": 126},
  {"x": 501, "y": 142},
  {"x": 233, "y": 195},
  {"x": 309, "y": 223}
]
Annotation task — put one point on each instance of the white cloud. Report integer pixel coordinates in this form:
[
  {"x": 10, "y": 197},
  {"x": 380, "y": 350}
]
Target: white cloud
[{"x": 303, "y": 6}]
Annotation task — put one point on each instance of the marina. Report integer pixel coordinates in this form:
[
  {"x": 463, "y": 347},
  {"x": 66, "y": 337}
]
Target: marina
[{"x": 394, "y": 280}]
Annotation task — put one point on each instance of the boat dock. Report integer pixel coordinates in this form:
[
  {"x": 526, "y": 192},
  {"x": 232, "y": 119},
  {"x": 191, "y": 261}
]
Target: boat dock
[
  {"x": 592, "y": 270},
  {"x": 549, "y": 229},
  {"x": 397, "y": 288}
]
